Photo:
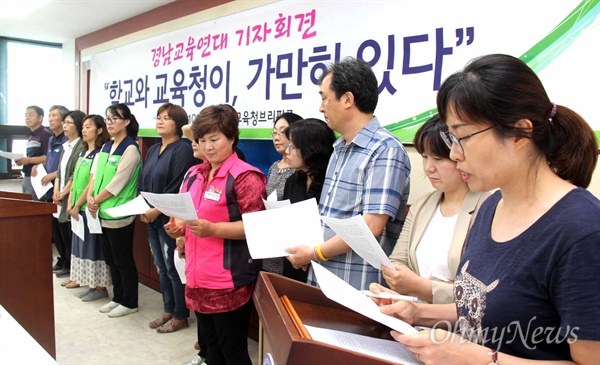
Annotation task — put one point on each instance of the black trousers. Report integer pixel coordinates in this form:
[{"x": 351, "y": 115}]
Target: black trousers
[
  {"x": 61, "y": 236},
  {"x": 117, "y": 246},
  {"x": 226, "y": 335}
]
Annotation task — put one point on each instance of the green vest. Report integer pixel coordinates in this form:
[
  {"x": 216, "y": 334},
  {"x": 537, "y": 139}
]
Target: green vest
[
  {"x": 81, "y": 176},
  {"x": 105, "y": 171}
]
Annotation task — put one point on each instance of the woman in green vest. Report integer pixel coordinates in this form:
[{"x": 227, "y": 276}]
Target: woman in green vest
[
  {"x": 114, "y": 182},
  {"x": 88, "y": 267}
]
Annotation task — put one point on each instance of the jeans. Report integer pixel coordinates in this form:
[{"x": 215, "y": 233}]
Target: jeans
[
  {"x": 173, "y": 291},
  {"x": 117, "y": 246}
]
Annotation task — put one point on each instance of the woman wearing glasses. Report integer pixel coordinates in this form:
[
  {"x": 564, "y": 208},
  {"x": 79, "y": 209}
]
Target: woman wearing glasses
[
  {"x": 71, "y": 124},
  {"x": 219, "y": 271},
  {"x": 308, "y": 152},
  {"x": 114, "y": 182},
  {"x": 278, "y": 174},
  {"x": 279, "y": 170},
  {"x": 166, "y": 163},
  {"x": 431, "y": 243},
  {"x": 526, "y": 286}
]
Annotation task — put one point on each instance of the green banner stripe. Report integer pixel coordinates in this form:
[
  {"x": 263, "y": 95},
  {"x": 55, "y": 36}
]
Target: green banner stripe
[{"x": 537, "y": 57}]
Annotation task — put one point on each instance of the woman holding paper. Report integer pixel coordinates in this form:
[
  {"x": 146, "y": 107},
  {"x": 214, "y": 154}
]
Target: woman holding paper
[
  {"x": 525, "y": 287},
  {"x": 219, "y": 271},
  {"x": 88, "y": 267},
  {"x": 310, "y": 146},
  {"x": 165, "y": 166},
  {"x": 72, "y": 124},
  {"x": 280, "y": 170},
  {"x": 431, "y": 243},
  {"x": 114, "y": 182}
]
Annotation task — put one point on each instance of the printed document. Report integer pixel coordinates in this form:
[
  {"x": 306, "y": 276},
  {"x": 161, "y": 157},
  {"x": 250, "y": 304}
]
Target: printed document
[
  {"x": 36, "y": 182},
  {"x": 270, "y": 232},
  {"x": 377, "y": 347},
  {"x": 355, "y": 232},
  {"x": 339, "y": 291},
  {"x": 10, "y": 155},
  {"x": 132, "y": 207},
  {"x": 94, "y": 225},
  {"x": 173, "y": 205},
  {"x": 78, "y": 227}
]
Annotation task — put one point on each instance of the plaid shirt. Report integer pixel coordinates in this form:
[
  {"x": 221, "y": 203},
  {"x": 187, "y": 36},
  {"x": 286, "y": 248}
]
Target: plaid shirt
[{"x": 370, "y": 175}]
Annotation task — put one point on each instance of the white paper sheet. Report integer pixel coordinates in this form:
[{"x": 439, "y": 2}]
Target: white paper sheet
[
  {"x": 11, "y": 155},
  {"x": 36, "y": 182},
  {"x": 173, "y": 205},
  {"x": 339, "y": 291},
  {"x": 94, "y": 225},
  {"x": 276, "y": 204},
  {"x": 270, "y": 232},
  {"x": 78, "y": 227},
  {"x": 132, "y": 207},
  {"x": 356, "y": 233},
  {"x": 58, "y": 209},
  {"x": 273, "y": 203},
  {"x": 383, "y": 349},
  {"x": 179, "y": 266}
]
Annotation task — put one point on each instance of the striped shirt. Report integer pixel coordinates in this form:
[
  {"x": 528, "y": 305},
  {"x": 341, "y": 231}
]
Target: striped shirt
[{"x": 370, "y": 175}]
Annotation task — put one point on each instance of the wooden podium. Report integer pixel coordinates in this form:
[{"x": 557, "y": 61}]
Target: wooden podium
[
  {"x": 26, "y": 288},
  {"x": 281, "y": 338}
]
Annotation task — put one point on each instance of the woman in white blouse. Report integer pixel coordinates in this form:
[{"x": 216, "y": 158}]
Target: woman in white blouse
[{"x": 428, "y": 251}]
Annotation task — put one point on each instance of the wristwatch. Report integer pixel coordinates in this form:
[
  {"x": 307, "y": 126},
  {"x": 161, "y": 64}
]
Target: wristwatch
[{"x": 494, "y": 354}]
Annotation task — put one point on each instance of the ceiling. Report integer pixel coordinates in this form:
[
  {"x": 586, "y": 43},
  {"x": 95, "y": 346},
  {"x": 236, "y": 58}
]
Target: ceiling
[{"x": 60, "y": 21}]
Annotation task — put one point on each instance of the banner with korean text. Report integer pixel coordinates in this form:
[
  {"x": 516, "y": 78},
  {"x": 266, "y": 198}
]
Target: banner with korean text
[{"x": 267, "y": 60}]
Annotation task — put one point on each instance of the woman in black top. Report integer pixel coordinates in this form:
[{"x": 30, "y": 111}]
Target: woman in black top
[{"x": 311, "y": 145}]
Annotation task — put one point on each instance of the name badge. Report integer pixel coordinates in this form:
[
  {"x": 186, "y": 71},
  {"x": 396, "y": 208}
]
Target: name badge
[
  {"x": 211, "y": 195},
  {"x": 112, "y": 160}
]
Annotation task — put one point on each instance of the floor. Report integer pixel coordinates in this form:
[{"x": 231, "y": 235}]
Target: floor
[{"x": 86, "y": 336}]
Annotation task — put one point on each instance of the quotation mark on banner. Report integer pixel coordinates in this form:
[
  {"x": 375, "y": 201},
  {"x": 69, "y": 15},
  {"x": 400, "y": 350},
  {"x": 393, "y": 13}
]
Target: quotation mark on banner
[{"x": 460, "y": 35}]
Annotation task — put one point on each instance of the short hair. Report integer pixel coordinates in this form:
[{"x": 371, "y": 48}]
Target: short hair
[
  {"x": 314, "y": 139},
  {"x": 78, "y": 117},
  {"x": 101, "y": 138},
  {"x": 217, "y": 118},
  {"x": 354, "y": 76},
  {"x": 39, "y": 111},
  {"x": 123, "y": 111},
  {"x": 63, "y": 111},
  {"x": 428, "y": 139},
  {"x": 288, "y": 117},
  {"x": 499, "y": 90},
  {"x": 177, "y": 113}
]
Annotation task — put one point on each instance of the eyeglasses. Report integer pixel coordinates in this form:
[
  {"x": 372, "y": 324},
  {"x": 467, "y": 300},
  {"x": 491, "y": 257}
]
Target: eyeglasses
[
  {"x": 450, "y": 139},
  {"x": 277, "y": 134},
  {"x": 166, "y": 118},
  {"x": 291, "y": 147},
  {"x": 112, "y": 120},
  {"x": 66, "y": 122}
]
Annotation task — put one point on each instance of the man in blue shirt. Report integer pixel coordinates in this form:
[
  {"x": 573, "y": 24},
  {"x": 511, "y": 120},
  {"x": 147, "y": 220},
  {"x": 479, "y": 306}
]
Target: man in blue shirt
[
  {"x": 55, "y": 146},
  {"x": 368, "y": 174}
]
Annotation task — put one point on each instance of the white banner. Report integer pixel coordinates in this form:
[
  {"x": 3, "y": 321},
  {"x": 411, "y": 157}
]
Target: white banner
[{"x": 267, "y": 60}]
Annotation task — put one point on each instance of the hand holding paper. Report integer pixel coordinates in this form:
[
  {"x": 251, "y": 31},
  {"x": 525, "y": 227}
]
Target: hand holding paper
[
  {"x": 339, "y": 291},
  {"x": 270, "y": 232},
  {"x": 355, "y": 232},
  {"x": 173, "y": 205}
]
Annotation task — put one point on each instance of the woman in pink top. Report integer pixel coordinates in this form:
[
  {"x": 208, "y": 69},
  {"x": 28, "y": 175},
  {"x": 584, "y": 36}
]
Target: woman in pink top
[{"x": 220, "y": 273}]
